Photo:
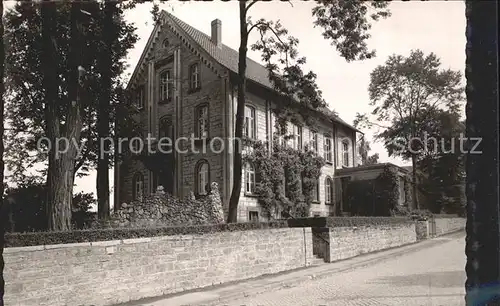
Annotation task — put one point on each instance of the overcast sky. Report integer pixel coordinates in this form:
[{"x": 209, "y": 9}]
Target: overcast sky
[{"x": 434, "y": 26}]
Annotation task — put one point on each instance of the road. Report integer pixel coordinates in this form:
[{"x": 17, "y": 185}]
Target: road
[{"x": 431, "y": 276}]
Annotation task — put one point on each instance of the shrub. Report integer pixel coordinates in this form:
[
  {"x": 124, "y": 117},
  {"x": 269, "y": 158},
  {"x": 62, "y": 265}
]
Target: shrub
[
  {"x": 47, "y": 238},
  {"x": 345, "y": 221}
]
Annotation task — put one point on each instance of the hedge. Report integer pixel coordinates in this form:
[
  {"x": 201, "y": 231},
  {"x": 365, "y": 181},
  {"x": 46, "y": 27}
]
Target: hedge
[
  {"x": 94, "y": 235},
  {"x": 346, "y": 221}
]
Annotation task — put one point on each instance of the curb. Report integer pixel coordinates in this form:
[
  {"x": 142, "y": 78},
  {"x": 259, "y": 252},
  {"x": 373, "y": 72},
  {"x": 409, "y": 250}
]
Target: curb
[{"x": 327, "y": 272}]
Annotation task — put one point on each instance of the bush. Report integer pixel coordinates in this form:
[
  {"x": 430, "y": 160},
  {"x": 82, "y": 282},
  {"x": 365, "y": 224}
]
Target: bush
[
  {"x": 47, "y": 238},
  {"x": 345, "y": 221}
]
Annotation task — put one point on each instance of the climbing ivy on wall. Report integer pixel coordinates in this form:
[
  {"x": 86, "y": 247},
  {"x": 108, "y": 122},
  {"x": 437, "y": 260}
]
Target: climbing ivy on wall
[
  {"x": 387, "y": 187},
  {"x": 285, "y": 177},
  {"x": 376, "y": 197}
]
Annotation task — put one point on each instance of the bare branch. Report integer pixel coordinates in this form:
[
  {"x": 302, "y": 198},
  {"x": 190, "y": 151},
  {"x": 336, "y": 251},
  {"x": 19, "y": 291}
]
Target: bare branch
[{"x": 250, "y": 5}]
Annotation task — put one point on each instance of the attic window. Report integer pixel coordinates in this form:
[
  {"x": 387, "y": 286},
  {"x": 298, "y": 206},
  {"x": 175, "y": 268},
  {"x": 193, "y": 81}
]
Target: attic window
[{"x": 165, "y": 43}]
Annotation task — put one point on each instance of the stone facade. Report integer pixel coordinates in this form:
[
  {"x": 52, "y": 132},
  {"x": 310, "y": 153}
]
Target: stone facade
[
  {"x": 112, "y": 272},
  {"x": 172, "y": 48}
]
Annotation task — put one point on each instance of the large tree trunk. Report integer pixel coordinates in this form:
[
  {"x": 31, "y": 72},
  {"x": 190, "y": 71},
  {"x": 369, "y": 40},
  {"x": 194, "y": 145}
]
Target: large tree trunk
[
  {"x": 482, "y": 242},
  {"x": 60, "y": 174},
  {"x": 2, "y": 210},
  {"x": 103, "y": 113},
  {"x": 414, "y": 182},
  {"x": 237, "y": 164}
]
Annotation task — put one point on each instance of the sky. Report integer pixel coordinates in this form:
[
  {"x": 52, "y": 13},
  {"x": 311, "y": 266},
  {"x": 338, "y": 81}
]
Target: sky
[{"x": 432, "y": 26}]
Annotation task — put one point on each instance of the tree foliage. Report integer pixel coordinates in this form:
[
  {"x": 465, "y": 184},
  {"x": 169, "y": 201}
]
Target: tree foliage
[
  {"x": 444, "y": 169},
  {"x": 26, "y": 208},
  {"x": 346, "y": 23},
  {"x": 26, "y": 99},
  {"x": 405, "y": 93},
  {"x": 364, "y": 152}
]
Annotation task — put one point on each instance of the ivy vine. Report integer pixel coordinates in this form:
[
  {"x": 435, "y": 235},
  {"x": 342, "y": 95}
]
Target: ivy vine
[{"x": 285, "y": 177}]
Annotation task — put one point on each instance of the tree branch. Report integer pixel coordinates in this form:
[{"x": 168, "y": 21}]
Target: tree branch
[{"x": 250, "y": 5}]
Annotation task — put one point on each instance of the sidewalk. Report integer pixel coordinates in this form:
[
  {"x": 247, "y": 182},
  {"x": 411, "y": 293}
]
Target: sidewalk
[{"x": 218, "y": 295}]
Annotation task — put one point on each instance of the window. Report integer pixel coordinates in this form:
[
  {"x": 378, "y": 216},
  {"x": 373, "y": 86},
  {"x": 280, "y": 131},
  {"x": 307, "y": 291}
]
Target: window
[
  {"x": 315, "y": 195},
  {"x": 194, "y": 77},
  {"x": 138, "y": 186},
  {"x": 202, "y": 121},
  {"x": 165, "y": 43},
  {"x": 253, "y": 216},
  {"x": 139, "y": 97},
  {"x": 203, "y": 177},
  {"x": 250, "y": 126},
  {"x": 328, "y": 191},
  {"x": 166, "y": 86},
  {"x": 345, "y": 154},
  {"x": 249, "y": 179},
  {"x": 328, "y": 149},
  {"x": 296, "y": 137},
  {"x": 166, "y": 128},
  {"x": 314, "y": 141}
]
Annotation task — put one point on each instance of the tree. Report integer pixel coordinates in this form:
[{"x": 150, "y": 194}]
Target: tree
[
  {"x": 444, "y": 167},
  {"x": 27, "y": 111},
  {"x": 103, "y": 118},
  {"x": 345, "y": 23},
  {"x": 404, "y": 92},
  {"x": 364, "y": 151},
  {"x": 26, "y": 207}
]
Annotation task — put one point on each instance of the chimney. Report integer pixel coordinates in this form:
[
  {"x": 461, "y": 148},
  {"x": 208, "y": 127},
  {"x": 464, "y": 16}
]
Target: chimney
[{"x": 216, "y": 32}]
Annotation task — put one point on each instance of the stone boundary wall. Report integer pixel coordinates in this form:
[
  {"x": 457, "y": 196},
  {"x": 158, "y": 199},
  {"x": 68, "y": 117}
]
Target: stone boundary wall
[
  {"x": 347, "y": 242},
  {"x": 438, "y": 227},
  {"x": 110, "y": 272}
]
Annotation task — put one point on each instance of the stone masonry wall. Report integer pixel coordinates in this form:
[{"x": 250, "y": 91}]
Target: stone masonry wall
[
  {"x": 346, "y": 242},
  {"x": 449, "y": 225},
  {"x": 110, "y": 272},
  {"x": 162, "y": 209},
  {"x": 439, "y": 227}
]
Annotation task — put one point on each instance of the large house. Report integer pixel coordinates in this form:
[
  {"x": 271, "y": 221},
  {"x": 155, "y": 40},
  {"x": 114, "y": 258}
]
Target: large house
[{"x": 184, "y": 85}]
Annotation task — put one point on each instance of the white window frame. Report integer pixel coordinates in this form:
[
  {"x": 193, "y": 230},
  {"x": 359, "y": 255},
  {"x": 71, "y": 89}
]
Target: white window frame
[
  {"x": 202, "y": 115},
  {"x": 316, "y": 192},
  {"x": 250, "y": 125},
  {"x": 327, "y": 148},
  {"x": 194, "y": 76},
  {"x": 138, "y": 186},
  {"x": 250, "y": 212},
  {"x": 345, "y": 154},
  {"x": 140, "y": 97},
  {"x": 296, "y": 132},
  {"x": 249, "y": 179},
  {"x": 203, "y": 173},
  {"x": 166, "y": 90},
  {"x": 328, "y": 191},
  {"x": 313, "y": 141}
]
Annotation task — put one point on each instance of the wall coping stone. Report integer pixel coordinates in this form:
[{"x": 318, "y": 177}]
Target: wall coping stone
[{"x": 107, "y": 243}]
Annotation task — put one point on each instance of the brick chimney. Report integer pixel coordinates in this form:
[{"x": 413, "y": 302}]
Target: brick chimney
[{"x": 217, "y": 32}]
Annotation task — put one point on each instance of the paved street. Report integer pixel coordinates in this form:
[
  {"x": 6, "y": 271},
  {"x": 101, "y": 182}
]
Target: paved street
[{"x": 430, "y": 276}]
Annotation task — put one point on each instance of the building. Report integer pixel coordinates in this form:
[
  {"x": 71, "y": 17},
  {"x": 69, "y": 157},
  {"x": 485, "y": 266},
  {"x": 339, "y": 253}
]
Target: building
[{"x": 184, "y": 84}]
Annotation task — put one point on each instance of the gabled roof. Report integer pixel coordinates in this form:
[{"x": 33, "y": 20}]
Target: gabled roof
[{"x": 223, "y": 55}]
